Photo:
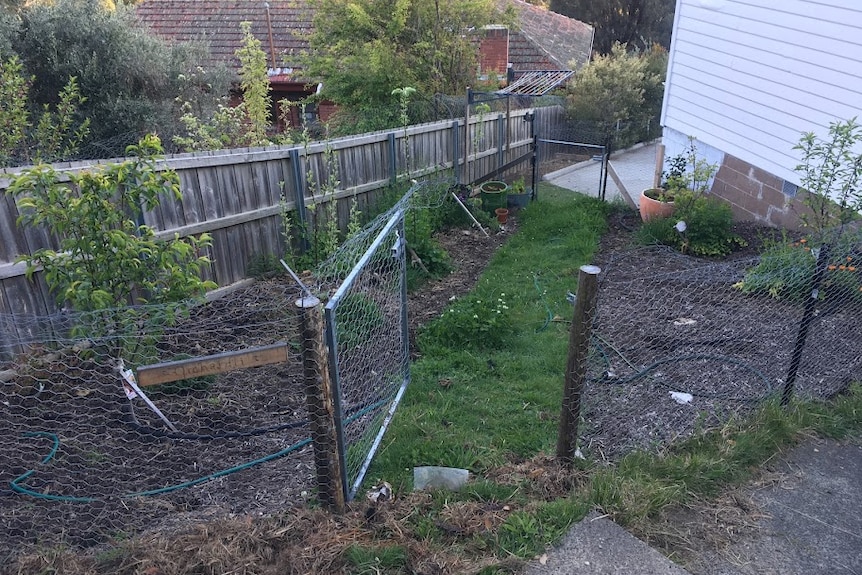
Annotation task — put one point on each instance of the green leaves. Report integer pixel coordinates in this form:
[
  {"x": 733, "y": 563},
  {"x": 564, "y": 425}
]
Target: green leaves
[
  {"x": 831, "y": 169},
  {"x": 105, "y": 259}
]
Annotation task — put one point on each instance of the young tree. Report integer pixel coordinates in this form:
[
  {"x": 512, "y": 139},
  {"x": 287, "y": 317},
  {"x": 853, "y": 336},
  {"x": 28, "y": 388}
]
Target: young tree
[
  {"x": 364, "y": 49},
  {"x": 245, "y": 124},
  {"x": 58, "y": 133},
  {"x": 636, "y": 23},
  {"x": 106, "y": 259}
]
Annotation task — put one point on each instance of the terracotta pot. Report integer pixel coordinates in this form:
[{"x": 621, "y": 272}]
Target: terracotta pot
[
  {"x": 502, "y": 215},
  {"x": 650, "y": 208}
]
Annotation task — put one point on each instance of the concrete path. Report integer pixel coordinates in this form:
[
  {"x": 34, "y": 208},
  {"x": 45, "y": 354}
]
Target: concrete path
[
  {"x": 632, "y": 171},
  {"x": 809, "y": 522},
  {"x": 599, "y": 546}
]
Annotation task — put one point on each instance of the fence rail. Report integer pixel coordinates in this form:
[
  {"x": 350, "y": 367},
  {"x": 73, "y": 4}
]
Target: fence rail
[{"x": 240, "y": 196}]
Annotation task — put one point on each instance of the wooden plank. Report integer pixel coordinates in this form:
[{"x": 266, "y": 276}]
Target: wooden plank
[{"x": 211, "y": 364}]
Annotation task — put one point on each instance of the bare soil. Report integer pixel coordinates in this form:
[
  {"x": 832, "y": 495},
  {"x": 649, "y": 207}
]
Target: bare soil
[{"x": 236, "y": 521}]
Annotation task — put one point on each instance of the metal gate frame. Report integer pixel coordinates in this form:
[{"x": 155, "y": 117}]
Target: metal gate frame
[{"x": 398, "y": 251}]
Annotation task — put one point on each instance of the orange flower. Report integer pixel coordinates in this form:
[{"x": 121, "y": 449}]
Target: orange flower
[
  {"x": 851, "y": 268},
  {"x": 849, "y": 259},
  {"x": 802, "y": 241},
  {"x": 842, "y": 267},
  {"x": 830, "y": 267},
  {"x": 807, "y": 249}
]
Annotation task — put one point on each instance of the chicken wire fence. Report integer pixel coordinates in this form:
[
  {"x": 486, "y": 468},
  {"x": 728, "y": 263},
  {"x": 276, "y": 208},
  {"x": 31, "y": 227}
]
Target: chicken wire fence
[
  {"x": 681, "y": 343},
  {"x": 90, "y": 450}
]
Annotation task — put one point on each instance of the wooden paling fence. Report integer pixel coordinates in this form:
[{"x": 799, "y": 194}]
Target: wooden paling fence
[{"x": 239, "y": 196}]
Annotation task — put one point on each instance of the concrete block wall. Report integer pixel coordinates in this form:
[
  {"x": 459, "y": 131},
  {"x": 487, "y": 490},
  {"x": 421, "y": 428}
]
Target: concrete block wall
[{"x": 756, "y": 195}]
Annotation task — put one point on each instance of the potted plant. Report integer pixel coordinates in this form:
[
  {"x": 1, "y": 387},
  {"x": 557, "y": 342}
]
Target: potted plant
[
  {"x": 687, "y": 177},
  {"x": 493, "y": 194},
  {"x": 518, "y": 196}
]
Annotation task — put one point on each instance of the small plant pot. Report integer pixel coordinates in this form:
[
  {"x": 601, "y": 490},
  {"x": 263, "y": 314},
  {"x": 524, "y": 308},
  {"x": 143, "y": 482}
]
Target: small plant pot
[
  {"x": 651, "y": 208},
  {"x": 502, "y": 215}
]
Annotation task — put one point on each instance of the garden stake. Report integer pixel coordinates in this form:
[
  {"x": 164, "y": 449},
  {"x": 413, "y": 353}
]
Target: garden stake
[
  {"x": 475, "y": 221},
  {"x": 807, "y": 316}
]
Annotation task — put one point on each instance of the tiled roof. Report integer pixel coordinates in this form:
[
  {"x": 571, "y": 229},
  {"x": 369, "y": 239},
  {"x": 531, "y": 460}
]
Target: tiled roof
[
  {"x": 561, "y": 39},
  {"x": 525, "y": 55},
  {"x": 218, "y": 23},
  {"x": 546, "y": 40}
]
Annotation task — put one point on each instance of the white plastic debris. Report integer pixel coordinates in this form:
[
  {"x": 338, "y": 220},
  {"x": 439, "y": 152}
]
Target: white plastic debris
[
  {"x": 681, "y": 397},
  {"x": 431, "y": 477},
  {"x": 380, "y": 492},
  {"x": 684, "y": 321},
  {"x": 680, "y": 226}
]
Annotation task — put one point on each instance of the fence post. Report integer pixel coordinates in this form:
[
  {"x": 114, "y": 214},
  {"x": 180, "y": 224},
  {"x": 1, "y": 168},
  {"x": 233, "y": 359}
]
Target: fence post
[
  {"x": 393, "y": 158},
  {"x": 321, "y": 402},
  {"x": 500, "y": 136},
  {"x": 299, "y": 199},
  {"x": 805, "y": 323},
  {"x": 456, "y": 152},
  {"x": 576, "y": 366}
]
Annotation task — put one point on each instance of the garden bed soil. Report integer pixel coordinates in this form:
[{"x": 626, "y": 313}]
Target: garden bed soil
[{"x": 90, "y": 420}]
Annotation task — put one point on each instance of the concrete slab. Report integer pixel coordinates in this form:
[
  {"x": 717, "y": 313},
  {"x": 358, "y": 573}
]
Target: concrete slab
[
  {"x": 598, "y": 546},
  {"x": 634, "y": 168},
  {"x": 813, "y": 518}
]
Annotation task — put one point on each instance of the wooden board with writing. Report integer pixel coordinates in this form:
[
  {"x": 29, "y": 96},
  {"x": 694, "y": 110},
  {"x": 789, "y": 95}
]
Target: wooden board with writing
[{"x": 211, "y": 364}]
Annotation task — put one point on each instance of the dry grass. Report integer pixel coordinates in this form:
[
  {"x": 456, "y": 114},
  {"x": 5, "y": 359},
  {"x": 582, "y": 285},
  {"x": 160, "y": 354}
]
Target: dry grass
[{"x": 303, "y": 541}]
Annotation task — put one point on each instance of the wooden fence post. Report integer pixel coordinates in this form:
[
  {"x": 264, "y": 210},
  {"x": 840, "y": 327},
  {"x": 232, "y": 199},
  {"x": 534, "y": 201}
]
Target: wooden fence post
[
  {"x": 320, "y": 400},
  {"x": 576, "y": 366}
]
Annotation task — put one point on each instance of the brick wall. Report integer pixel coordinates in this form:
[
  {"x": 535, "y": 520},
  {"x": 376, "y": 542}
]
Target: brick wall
[
  {"x": 755, "y": 194},
  {"x": 494, "y": 53}
]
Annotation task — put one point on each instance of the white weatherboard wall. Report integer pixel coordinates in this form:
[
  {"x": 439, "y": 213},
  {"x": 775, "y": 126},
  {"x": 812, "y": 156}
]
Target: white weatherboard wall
[{"x": 748, "y": 77}]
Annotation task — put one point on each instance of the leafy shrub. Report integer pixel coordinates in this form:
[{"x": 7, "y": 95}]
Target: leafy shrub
[
  {"x": 785, "y": 271},
  {"x": 129, "y": 77},
  {"x": 701, "y": 226},
  {"x": 610, "y": 91},
  {"x": 475, "y": 323}
]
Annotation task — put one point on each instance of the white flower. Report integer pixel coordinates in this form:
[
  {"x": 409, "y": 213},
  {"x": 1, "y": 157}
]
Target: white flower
[
  {"x": 475, "y": 316},
  {"x": 505, "y": 307}
]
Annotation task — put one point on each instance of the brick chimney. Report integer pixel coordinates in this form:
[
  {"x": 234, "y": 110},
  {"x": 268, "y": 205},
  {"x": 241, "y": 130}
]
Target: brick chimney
[{"x": 494, "y": 53}]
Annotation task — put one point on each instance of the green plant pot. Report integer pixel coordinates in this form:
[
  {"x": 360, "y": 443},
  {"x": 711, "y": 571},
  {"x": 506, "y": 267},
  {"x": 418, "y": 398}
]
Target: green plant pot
[{"x": 493, "y": 194}]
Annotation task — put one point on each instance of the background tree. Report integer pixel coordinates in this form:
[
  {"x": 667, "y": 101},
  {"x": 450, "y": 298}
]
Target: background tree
[
  {"x": 129, "y": 77},
  {"x": 55, "y": 135},
  {"x": 610, "y": 92},
  {"x": 364, "y": 49},
  {"x": 636, "y": 23}
]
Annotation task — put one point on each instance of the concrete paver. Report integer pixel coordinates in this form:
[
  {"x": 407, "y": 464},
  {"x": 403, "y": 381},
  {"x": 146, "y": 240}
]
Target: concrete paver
[{"x": 598, "y": 546}]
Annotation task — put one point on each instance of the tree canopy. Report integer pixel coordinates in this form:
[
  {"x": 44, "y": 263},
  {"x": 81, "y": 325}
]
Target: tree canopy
[
  {"x": 128, "y": 77},
  {"x": 636, "y": 23},
  {"x": 364, "y": 49}
]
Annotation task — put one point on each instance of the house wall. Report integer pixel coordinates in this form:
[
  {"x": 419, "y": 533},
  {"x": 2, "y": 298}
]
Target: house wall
[{"x": 748, "y": 77}]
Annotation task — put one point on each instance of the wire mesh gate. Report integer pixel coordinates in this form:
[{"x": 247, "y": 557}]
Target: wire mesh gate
[
  {"x": 367, "y": 339},
  {"x": 573, "y": 165}
]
